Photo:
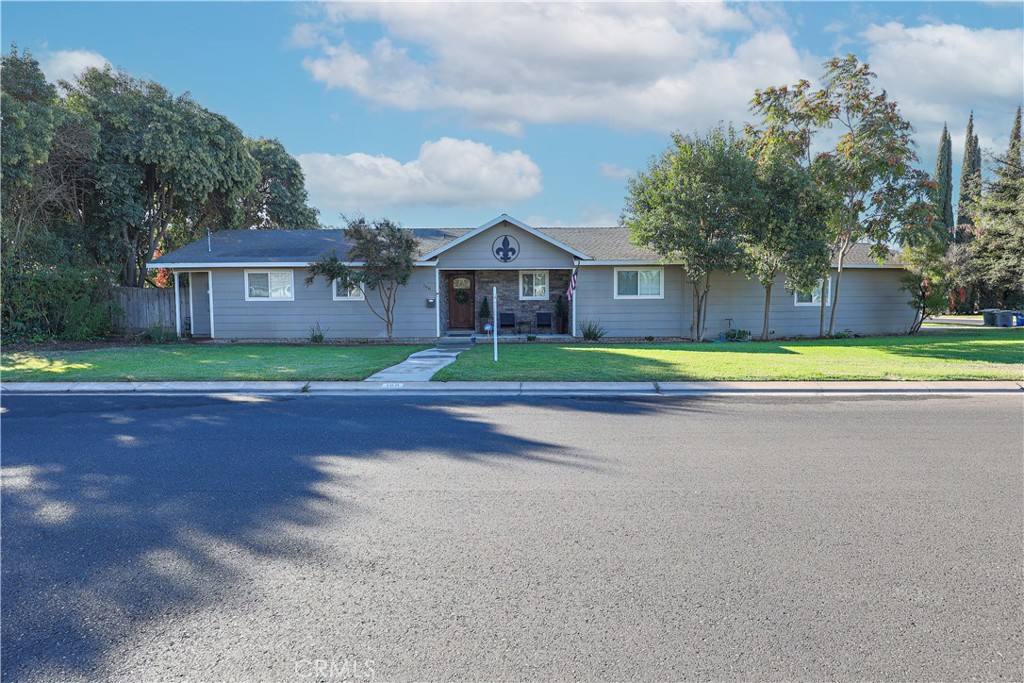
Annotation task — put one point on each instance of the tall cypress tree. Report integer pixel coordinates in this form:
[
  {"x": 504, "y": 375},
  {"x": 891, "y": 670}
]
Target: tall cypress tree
[
  {"x": 944, "y": 182},
  {"x": 970, "y": 185}
]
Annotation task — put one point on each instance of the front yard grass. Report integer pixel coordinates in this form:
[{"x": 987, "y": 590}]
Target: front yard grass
[
  {"x": 200, "y": 362},
  {"x": 960, "y": 354}
]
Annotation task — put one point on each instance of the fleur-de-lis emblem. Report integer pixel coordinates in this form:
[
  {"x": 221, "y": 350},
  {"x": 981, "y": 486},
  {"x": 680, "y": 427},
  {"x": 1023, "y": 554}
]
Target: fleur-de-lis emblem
[{"x": 505, "y": 248}]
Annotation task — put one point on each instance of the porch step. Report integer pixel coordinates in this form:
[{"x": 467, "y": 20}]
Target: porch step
[{"x": 456, "y": 340}]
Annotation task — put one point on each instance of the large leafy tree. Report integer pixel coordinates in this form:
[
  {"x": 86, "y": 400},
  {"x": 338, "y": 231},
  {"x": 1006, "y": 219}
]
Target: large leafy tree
[
  {"x": 279, "y": 201},
  {"x": 162, "y": 160},
  {"x": 380, "y": 259},
  {"x": 875, "y": 194},
  {"x": 928, "y": 278},
  {"x": 694, "y": 205},
  {"x": 943, "y": 199},
  {"x": 786, "y": 237}
]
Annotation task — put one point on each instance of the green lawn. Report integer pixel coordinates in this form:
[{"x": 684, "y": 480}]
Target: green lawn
[
  {"x": 931, "y": 355},
  {"x": 195, "y": 362}
]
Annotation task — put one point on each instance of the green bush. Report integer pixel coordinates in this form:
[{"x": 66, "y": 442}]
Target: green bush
[
  {"x": 736, "y": 335},
  {"x": 591, "y": 330},
  {"x": 317, "y": 333},
  {"x": 59, "y": 301}
]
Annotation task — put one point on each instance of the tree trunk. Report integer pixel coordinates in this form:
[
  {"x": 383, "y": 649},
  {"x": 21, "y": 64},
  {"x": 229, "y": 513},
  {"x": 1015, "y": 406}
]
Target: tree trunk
[
  {"x": 767, "y": 307},
  {"x": 821, "y": 319},
  {"x": 834, "y": 294},
  {"x": 695, "y": 327}
]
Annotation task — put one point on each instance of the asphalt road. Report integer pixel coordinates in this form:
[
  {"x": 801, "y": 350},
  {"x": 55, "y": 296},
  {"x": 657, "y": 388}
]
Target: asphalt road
[{"x": 319, "y": 538}]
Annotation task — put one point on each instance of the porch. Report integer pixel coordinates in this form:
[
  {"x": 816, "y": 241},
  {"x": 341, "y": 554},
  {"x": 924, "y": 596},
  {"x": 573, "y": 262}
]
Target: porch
[{"x": 530, "y": 303}]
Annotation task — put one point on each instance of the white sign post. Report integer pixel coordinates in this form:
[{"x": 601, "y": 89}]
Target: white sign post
[{"x": 494, "y": 321}]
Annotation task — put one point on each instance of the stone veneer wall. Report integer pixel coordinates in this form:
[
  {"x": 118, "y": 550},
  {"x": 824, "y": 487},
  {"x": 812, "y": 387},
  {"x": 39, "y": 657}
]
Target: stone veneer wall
[{"x": 507, "y": 282}]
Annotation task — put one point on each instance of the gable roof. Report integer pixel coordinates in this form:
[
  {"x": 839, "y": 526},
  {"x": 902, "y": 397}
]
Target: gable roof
[
  {"x": 504, "y": 218},
  {"x": 297, "y": 248}
]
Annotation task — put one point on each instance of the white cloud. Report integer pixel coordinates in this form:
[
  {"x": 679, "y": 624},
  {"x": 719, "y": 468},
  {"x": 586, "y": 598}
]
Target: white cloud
[
  {"x": 638, "y": 65},
  {"x": 611, "y": 170},
  {"x": 447, "y": 172},
  {"x": 937, "y": 71},
  {"x": 66, "y": 65}
]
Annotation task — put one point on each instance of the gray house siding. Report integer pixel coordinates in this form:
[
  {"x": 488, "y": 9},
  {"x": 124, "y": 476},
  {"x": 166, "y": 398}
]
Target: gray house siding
[
  {"x": 475, "y": 253},
  {"x": 871, "y": 301},
  {"x": 236, "y": 318},
  {"x": 668, "y": 317}
]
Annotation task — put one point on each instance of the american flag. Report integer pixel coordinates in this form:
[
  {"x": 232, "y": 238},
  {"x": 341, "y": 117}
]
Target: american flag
[{"x": 572, "y": 282}]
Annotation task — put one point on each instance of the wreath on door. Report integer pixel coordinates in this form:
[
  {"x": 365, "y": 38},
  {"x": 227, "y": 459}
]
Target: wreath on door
[{"x": 461, "y": 296}]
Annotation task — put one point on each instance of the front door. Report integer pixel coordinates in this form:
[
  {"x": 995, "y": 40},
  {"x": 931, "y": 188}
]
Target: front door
[{"x": 460, "y": 301}]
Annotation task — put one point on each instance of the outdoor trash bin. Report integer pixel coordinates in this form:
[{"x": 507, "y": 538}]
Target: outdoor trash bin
[
  {"x": 988, "y": 316},
  {"x": 1018, "y": 318},
  {"x": 1004, "y": 319}
]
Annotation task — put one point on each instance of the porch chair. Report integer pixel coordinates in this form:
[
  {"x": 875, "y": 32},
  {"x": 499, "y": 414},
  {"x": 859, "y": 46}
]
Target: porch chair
[
  {"x": 545, "y": 320},
  {"x": 507, "y": 320}
]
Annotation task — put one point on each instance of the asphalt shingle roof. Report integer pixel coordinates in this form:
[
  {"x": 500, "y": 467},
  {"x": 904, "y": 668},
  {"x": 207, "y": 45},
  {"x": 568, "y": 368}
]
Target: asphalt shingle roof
[{"x": 303, "y": 246}]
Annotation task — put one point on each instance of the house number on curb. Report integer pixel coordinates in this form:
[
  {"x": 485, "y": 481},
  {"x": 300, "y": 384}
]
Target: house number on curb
[
  {"x": 505, "y": 248},
  {"x": 392, "y": 385}
]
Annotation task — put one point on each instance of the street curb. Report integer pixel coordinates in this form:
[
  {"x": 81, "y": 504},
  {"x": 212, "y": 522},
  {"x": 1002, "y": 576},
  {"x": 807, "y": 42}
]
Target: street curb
[{"x": 399, "y": 388}]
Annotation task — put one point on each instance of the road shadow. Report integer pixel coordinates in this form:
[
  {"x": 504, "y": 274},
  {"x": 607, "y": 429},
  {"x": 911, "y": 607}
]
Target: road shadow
[{"x": 121, "y": 510}]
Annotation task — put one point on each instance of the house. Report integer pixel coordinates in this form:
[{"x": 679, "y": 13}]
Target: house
[{"x": 249, "y": 284}]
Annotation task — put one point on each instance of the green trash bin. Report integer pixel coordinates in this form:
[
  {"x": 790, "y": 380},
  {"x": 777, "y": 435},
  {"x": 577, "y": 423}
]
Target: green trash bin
[{"x": 988, "y": 316}]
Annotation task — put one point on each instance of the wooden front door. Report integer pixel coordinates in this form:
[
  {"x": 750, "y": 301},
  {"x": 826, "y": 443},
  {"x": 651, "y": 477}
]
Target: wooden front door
[{"x": 460, "y": 301}]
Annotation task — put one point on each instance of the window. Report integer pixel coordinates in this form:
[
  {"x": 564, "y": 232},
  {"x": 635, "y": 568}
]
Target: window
[
  {"x": 639, "y": 283},
  {"x": 533, "y": 285},
  {"x": 813, "y": 297},
  {"x": 269, "y": 285},
  {"x": 353, "y": 293}
]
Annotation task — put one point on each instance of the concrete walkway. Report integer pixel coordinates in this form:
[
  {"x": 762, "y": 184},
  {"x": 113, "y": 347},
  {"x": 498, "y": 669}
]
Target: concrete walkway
[
  {"x": 420, "y": 366},
  {"x": 399, "y": 386}
]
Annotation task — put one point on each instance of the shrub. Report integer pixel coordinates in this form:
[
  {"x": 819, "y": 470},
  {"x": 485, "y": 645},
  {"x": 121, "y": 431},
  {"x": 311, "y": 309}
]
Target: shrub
[
  {"x": 317, "y": 333},
  {"x": 158, "y": 334},
  {"x": 591, "y": 330},
  {"x": 736, "y": 335},
  {"x": 55, "y": 301}
]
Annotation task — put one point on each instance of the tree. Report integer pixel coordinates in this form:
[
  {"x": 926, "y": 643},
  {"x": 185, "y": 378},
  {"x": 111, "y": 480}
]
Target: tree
[
  {"x": 999, "y": 250},
  {"x": 943, "y": 199},
  {"x": 384, "y": 253},
  {"x": 970, "y": 185},
  {"x": 161, "y": 161},
  {"x": 787, "y": 236},
  {"x": 926, "y": 278},
  {"x": 693, "y": 206},
  {"x": 874, "y": 192},
  {"x": 279, "y": 201}
]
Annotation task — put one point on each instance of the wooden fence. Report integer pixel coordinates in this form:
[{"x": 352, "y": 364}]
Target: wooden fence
[{"x": 136, "y": 308}]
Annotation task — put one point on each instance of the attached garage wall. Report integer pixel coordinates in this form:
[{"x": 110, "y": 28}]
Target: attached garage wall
[{"x": 236, "y": 318}]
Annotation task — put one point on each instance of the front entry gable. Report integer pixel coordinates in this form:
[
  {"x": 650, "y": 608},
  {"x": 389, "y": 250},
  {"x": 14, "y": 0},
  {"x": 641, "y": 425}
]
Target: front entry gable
[{"x": 505, "y": 244}]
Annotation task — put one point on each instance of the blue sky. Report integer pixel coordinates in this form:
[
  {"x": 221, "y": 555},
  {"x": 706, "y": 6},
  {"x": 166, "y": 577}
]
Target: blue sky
[{"x": 448, "y": 115}]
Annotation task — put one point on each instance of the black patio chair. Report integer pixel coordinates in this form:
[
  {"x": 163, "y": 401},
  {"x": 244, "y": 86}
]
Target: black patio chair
[
  {"x": 507, "y": 320},
  {"x": 545, "y": 320}
]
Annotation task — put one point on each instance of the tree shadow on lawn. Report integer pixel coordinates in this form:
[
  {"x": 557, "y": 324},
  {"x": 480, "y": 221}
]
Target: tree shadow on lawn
[{"x": 118, "y": 511}]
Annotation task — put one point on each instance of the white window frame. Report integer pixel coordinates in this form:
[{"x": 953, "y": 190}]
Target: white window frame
[
  {"x": 357, "y": 287},
  {"x": 826, "y": 285},
  {"x": 547, "y": 285},
  {"x": 637, "y": 269},
  {"x": 268, "y": 271}
]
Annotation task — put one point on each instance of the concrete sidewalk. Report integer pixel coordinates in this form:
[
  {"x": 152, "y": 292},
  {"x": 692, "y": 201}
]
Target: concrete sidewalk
[{"x": 413, "y": 388}]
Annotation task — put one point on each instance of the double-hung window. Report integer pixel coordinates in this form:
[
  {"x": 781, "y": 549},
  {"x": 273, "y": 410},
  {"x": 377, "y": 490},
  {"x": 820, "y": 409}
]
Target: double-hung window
[
  {"x": 269, "y": 285},
  {"x": 639, "y": 283},
  {"x": 533, "y": 285},
  {"x": 353, "y": 293},
  {"x": 812, "y": 297}
]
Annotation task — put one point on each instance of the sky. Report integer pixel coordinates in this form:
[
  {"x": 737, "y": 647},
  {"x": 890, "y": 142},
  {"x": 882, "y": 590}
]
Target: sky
[{"x": 447, "y": 115}]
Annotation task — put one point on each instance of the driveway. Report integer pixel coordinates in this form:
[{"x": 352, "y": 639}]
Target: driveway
[{"x": 325, "y": 538}]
